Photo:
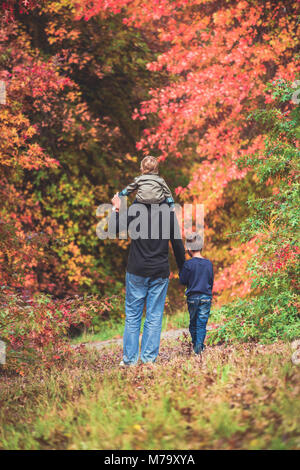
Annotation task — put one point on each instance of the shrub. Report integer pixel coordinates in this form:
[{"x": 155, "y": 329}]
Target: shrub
[
  {"x": 271, "y": 313},
  {"x": 35, "y": 329},
  {"x": 256, "y": 319},
  {"x": 110, "y": 308}
]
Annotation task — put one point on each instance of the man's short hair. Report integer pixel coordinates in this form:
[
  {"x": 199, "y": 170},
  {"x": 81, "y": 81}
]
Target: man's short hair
[{"x": 194, "y": 242}]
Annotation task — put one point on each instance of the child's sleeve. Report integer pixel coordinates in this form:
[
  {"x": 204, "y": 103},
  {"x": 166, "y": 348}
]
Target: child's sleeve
[
  {"x": 167, "y": 193},
  {"x": 130, "y": 188},
  {"x": 184, "y": 275}
]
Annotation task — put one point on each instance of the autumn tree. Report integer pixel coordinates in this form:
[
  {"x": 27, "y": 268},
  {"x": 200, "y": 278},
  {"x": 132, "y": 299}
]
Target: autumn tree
[
  {"x": 77, "y": 98},
  {"x": 102, "y": 83},
  {"x": 218, "y": 57}
]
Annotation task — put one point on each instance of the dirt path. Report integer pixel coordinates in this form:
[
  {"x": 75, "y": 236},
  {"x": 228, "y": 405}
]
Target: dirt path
[{"x": 170, "y": 334}]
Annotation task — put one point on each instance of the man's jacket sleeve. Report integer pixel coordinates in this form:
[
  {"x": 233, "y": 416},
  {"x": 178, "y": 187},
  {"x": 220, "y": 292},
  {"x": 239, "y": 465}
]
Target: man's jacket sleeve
[
  {"x": 184, "y": 276},
  {"x": 117, "y": 224},
  {"x": 176, "y": 240}
]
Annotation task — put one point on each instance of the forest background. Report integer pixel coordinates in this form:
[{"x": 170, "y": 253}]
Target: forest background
[{"x": 209, "y": 87}]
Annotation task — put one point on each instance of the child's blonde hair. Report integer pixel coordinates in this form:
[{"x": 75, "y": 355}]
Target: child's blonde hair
[{"x": 149, "y": 165}]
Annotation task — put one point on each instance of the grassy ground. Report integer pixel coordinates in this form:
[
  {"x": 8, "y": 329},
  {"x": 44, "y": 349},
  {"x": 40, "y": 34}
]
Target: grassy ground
[{"x": 235, "y": 397}]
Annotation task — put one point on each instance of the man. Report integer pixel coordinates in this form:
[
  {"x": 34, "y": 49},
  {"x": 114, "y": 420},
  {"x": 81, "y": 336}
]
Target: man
[{"x": 147, "y": 274}]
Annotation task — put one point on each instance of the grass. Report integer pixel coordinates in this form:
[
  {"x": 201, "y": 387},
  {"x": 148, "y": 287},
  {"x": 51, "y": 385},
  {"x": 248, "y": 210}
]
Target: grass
[{"x": 235, "y": 397}]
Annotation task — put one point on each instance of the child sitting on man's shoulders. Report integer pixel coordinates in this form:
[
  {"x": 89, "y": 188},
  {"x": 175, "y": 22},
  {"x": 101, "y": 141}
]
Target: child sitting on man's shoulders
[{"x": 151, "y": 188}]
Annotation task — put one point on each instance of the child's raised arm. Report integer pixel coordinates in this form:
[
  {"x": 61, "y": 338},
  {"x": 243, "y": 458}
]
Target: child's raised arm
[{"x": 130, "y": 188}]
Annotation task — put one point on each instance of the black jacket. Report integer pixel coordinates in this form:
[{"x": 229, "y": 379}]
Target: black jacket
[{"x": 148, "y": 253}]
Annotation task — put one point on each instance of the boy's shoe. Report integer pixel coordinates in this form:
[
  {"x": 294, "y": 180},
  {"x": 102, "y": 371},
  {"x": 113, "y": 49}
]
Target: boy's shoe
[
  {"x": 200, "y": 350},
  {"x": 200, "y": 353}
]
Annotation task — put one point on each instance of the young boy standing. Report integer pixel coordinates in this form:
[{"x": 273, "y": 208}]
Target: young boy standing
[{"x": 197, "y": 274}]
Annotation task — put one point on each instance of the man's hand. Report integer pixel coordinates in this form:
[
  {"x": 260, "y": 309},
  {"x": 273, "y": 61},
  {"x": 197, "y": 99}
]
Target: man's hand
[{"x": 116, "y": 202}]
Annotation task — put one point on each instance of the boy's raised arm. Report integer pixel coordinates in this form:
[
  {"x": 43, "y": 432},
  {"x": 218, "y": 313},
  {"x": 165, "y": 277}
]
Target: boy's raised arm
[{"x": 130, "y": 188}]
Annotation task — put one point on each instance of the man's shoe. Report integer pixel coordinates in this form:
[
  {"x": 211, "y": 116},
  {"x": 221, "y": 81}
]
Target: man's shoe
[{"x": 122, "y": 364}]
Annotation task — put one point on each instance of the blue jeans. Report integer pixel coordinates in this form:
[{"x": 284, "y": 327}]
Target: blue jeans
[
  {"x": 199, "y": 310},
  {"x": 142, "y": 291}
]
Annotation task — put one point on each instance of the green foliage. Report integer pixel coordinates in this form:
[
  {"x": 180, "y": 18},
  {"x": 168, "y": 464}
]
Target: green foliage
[
  {"x": 274, "y": 225},
  {"x": 264, "y": 318}
]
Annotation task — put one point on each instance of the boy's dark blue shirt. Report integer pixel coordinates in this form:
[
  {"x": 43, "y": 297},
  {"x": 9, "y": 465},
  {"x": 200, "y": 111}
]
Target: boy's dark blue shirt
[{"x": 197, "y": 274}]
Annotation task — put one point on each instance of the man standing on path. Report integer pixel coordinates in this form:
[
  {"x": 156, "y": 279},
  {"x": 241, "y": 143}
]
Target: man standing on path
[{"x": 147, "y": 274}]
